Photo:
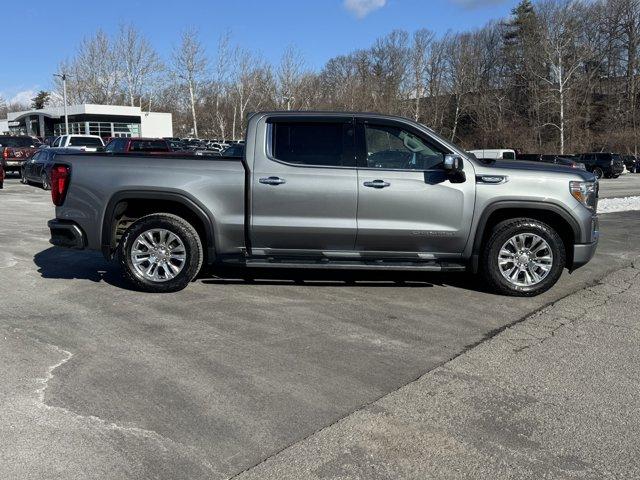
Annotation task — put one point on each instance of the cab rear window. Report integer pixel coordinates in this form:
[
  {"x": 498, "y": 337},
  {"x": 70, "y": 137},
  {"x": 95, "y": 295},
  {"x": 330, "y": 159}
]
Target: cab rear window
[{"x": 19, "y": 142}]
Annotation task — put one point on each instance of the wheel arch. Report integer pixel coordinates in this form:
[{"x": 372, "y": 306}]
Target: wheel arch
[
  {"x": 132, "y": 204},
  {"x": 553, "y": 215}
]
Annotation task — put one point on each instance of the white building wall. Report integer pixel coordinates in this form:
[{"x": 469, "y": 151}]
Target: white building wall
[
  {"x": 4, "y": 126},
  {"x": 156, "y": 124}
]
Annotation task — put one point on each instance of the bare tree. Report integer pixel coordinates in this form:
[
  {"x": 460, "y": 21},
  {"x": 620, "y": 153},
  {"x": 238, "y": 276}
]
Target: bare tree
[
  {"x": 139, "y": 62},
  {"x": 189, "y": 66},
  {"x": 419, "y": 63},
  {"x": 563, "y": 56},
  {"x": 94, "y": 73},
  {"x": 288, "y": 75}
]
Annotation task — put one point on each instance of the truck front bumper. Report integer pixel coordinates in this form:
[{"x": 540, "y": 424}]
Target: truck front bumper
[
  {"x": 582, "y": 254},
  {"x": 66, "y": 234}
]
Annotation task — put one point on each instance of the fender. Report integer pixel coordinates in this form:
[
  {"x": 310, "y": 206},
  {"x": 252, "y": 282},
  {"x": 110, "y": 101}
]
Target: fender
[
  {"x": 519, "y": 204},
  {"x": 106, "y": 237}
]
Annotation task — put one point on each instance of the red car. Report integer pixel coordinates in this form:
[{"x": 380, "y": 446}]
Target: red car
[
  {"x": 139, "y": 145},
  {"x": 16, "y": 150}
]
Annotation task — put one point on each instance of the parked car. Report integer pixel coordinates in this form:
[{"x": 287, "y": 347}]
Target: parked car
[
  {"x": 323, "y": 190},
  {"x": 1, "y": 174},
  {"x": 235, "y": 150},
  {"x": 495, "y": 153},
  {"x": 87, "y": 143},
  {"x": 632, "y": 163},
  {"x": 38, "y": 168},
  {"x": 554, "y": 159},
  {"x": 565, "y": 161},
  {"x": 176, "y": 145},
  {"x": 607, "y": 165},
  {"x": 16, "y": 150},
  {"x": 142, "y": 145}
]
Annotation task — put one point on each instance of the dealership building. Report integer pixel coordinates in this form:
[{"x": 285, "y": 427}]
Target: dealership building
[{"x": 90, "y": 119}]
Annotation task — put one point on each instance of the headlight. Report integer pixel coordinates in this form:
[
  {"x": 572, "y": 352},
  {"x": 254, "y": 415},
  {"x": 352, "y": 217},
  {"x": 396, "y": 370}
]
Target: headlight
[{"x": 586, "y": 193}]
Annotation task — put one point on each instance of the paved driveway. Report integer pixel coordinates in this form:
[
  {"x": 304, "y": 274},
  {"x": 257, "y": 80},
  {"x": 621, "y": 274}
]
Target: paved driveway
[{"x": 101, "y": 381}]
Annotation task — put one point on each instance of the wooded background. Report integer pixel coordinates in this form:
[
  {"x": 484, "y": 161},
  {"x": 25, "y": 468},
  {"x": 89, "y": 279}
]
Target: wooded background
[{"x": 557, "y": 76}]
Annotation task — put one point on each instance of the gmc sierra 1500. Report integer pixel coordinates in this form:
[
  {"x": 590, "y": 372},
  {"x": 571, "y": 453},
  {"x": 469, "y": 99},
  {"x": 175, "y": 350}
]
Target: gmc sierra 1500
[{"x": 329, "y": 190}]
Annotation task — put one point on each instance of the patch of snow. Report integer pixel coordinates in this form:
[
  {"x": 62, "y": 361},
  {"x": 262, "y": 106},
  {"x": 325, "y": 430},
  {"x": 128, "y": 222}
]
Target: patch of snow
[{"x": 612, "y": 205}]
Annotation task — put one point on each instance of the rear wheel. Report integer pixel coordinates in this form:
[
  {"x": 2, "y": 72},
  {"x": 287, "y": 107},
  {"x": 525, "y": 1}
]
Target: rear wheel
[
  {"x": 160, "y": 253},
  {"x": 523, "y": 257},
  {"x": 598, "y": 172}
]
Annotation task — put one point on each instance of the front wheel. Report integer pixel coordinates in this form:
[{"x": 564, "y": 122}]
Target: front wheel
[
  {"x": 523, "y": 257},
  {"x": 44, "y": 179},
  {"x": 160, "y": 253},
  {"x": 598, "y": 172}
]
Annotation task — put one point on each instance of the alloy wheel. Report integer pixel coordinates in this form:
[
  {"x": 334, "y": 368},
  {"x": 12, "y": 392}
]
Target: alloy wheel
[
  {"x": 525, "y": 259},
  {"x": 158, "y": 255}
]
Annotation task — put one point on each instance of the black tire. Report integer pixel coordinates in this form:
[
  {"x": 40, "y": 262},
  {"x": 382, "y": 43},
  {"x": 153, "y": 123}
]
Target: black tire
[
  {"x": 179, "y": 227},
  {"x": 500, "y": 234},
  {"x": 615, "y": 176},
  {"x": 23, "y": 179},
  {"x": 44, "y": 179},
  {"x": 598, "y": 172}
]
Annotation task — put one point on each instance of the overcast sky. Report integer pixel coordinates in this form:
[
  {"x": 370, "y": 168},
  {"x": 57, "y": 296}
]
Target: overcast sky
[{"x": 38, "y": 34}]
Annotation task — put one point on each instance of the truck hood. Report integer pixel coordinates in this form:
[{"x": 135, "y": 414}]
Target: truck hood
[{"x": 500, "y": 165}]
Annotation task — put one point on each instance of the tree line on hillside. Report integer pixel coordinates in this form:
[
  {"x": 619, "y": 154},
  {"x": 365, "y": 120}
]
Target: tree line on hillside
[{"x": 557, "y": 76}]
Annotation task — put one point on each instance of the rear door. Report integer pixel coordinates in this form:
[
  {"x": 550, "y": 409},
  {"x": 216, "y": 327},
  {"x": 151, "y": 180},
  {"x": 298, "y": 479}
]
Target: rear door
[
  {"x": 407, "y": 202},
  {"x": 304, "y": 184}
]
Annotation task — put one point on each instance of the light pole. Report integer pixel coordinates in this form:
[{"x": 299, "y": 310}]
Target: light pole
[{"x": 63, "y": 76}]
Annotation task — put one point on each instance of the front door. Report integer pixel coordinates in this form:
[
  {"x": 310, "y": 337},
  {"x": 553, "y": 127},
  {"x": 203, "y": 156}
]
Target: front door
[
  {"x": 305, "y": 186},
  {"x": 407, "y": 202}
]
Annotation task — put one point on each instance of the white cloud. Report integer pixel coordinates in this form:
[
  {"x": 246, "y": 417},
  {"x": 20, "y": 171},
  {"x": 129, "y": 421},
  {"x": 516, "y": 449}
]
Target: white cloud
[
  {"x": 23, "y": 96},
  {"x": 362, "y": 8}
]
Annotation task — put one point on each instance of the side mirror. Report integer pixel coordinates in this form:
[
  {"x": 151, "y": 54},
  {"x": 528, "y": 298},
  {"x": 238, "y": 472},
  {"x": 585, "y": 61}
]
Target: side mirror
[
  {"x": 453, "y": 163},
  {"x": 454, "y": 168}
]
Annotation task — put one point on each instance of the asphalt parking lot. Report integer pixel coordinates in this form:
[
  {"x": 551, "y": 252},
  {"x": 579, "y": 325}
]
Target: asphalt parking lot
[
  {"x": 102, "y": 381},
  {"x": 624, "y": 186}
]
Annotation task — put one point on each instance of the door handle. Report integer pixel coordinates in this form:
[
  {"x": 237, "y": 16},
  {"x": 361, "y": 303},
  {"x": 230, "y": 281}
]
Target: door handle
[
  {"x": 377, "y": 184},
  {"x": 272, "y": 180}
]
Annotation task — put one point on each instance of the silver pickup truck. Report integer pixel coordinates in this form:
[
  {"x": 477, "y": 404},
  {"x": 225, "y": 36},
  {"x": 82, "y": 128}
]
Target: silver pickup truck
[{"x": 328, "y": 191}]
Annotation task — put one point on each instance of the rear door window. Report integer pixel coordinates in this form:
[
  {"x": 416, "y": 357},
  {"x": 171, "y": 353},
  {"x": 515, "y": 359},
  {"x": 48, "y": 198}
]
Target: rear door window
[{"x": 311, "y": 143}]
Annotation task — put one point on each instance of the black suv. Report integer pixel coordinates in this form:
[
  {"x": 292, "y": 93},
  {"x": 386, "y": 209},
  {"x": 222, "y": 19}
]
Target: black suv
[
  {"x": 608, "y": 165},
  {"x": 632, "y": 163}
]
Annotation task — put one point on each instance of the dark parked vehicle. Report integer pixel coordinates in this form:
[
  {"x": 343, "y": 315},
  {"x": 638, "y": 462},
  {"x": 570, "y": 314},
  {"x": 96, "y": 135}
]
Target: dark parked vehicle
[
  {"x": 16, "y": 150},
  {"x": 1, "y": 174},
  {"x": 236, "y": 150},
  {"x": 176, "y": 145},
  {"x": 555, "y": 159},
  {"x": 607, "y": 165},
  {"x": 632, "y": 163},
  {"x": 140, "y": 145},
  {"x": 38, "y": 168}
]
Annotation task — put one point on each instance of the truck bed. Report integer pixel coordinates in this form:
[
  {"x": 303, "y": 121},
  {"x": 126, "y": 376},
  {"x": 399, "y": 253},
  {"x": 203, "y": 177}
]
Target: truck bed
[{"x": 100, "y": 181}]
